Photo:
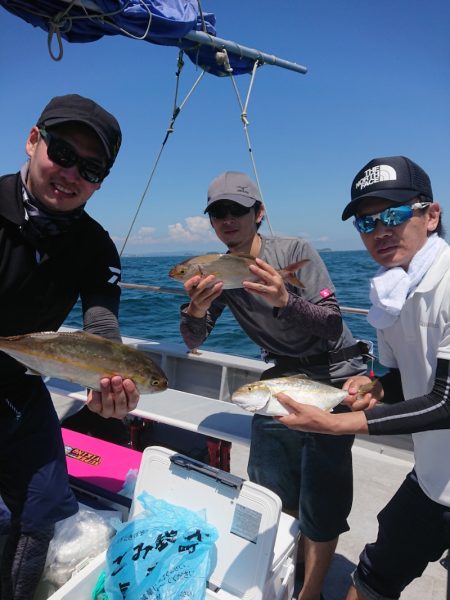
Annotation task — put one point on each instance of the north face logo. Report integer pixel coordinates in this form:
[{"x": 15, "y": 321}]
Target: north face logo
[{"x": 375, "y": 175}]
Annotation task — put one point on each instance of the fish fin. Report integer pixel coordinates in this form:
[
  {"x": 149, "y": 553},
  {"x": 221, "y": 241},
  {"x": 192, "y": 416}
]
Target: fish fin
[
  {"x": 288, "y": 273},
  {"x": 30, "y": 371},
  {"x": 298, "y": 376},
  {"x": 367, "y": 387},
  {"x": 241, "y": 255}
]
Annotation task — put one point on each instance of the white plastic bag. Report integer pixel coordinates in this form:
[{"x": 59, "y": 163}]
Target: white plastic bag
[{"x": 77, "y": 540}]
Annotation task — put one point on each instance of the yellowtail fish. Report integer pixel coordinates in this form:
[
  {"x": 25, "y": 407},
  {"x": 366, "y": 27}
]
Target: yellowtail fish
[
  {"x": 232, "y": 269},
  {"x": 260, "y": 396},
  {"x": 84, "y": 358}
]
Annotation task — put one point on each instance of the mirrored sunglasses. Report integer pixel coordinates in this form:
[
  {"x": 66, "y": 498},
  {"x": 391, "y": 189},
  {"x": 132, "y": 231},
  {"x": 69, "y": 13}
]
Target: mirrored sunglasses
[
  {"x": 220, "y": 211},
  {"x": 61, "y": 152},
  {"x": 390, "y": 217}
]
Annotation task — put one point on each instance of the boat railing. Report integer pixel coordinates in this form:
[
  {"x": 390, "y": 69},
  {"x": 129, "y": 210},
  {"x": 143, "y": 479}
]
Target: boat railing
[{"x": 181, "y": 292}]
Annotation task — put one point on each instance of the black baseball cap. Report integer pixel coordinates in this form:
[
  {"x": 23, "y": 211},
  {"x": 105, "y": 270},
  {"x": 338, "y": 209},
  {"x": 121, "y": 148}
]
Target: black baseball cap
[
  {"x": 234, "y": 186},
  {"x": 72, "y": 107},
  {"x": 394, "y": 178}
]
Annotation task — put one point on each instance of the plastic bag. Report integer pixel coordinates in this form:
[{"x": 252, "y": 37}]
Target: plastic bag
[
  {"x": 77, "y": 539},
  {"x": 162, "y": 554}
]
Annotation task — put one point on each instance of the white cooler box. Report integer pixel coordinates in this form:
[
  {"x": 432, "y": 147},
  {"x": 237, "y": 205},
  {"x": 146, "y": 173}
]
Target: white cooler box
[{"x": 257, "y": 542}]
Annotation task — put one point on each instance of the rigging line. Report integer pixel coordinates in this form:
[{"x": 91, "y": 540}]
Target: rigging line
[
  {"x": 63, "y": 21},
  {"x": 102, "y": 16},
  {"x": 245, "y": 126},
  {"x": 170, "y": 129},
  {"x": 182, "y": 292},
  {"x": 200, "y": 12}
]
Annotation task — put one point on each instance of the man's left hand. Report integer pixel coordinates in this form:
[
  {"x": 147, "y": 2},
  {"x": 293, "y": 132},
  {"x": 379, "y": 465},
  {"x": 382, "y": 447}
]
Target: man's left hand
[
  {"x": 270, "y": 285},
  {"x": 116, "y": 399}
]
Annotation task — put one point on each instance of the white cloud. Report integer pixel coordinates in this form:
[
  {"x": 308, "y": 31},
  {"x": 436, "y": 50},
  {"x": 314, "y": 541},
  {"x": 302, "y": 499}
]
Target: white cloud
[
  {"x": 194, "y": 229},
  {"x": 144, "y": 235}
]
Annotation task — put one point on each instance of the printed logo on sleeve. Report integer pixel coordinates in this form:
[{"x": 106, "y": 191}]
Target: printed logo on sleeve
[{"x": 325, "y": 293}]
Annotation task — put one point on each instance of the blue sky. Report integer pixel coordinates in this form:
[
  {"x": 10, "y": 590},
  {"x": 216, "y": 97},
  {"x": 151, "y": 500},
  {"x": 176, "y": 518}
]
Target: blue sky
[{"x": 378, "y": 84}]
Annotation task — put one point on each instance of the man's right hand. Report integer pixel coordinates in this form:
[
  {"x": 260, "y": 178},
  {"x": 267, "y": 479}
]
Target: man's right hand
[{"x": 202, "y": 291}]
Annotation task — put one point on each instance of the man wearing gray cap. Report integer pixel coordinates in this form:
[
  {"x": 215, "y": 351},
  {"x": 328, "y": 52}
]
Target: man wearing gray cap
[
  {"x": 51, "y": 254},
  {"x": 301, "y": 331},
  {"x": 400, "y": 225}
]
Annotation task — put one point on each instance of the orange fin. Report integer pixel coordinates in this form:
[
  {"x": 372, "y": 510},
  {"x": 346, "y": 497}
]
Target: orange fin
[
  {"x": 288, "y": 273},
  {"x": 364, "y": 389}
]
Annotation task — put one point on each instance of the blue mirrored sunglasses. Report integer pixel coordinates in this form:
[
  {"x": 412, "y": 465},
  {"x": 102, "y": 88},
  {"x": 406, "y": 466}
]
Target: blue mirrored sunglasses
[{"x": 390, "y": 217}]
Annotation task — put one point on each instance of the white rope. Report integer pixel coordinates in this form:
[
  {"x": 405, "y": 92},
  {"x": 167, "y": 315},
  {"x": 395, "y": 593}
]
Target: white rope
[
  {"x": 170, "y": 129},
  {"x": 62, "y": 23},
  {"x": 245, "y": 124}
]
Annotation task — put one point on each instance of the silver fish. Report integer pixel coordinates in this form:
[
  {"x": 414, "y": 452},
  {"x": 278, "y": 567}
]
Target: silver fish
[
  {"x": 84, "y": 358},
  {"x": 232, "y": 269},
  {"x": 260, "y": 396}
]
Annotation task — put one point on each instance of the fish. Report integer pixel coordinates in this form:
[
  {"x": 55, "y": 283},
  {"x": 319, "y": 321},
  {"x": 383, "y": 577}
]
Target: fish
[
  {"x": 260, "y": 396},
  {"x": 84, "y": 358},
  {"x": 232, "y": 269}
]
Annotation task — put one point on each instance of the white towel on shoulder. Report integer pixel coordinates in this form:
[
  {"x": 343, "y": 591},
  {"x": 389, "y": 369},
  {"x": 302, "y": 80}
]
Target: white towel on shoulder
[{"x": 389, "y": 288}]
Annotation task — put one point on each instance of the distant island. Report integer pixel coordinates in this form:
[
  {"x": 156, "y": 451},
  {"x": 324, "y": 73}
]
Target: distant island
[{"x": 325, "y": 250}]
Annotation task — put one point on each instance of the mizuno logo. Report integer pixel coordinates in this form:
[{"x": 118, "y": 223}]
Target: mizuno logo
[
  {"x": 242, "y": 188},
  {"x": 375, "y": 175},
  {"x": 115, "y": 276}
]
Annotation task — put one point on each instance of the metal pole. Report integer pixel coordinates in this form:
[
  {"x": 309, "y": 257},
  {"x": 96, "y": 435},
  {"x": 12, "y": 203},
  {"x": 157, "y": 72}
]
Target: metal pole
[{"x": 270, "y": 59}]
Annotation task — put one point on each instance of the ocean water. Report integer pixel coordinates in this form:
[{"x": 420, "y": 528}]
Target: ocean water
[{"x": 156, "y": 315}]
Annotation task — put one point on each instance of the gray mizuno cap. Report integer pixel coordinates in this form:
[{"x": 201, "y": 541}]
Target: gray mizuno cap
[{"x": 234, "y": 186}]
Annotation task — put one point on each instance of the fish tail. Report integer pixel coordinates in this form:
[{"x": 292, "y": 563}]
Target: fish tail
[
  {"x": 364, "y": 389},
  {"x": 288, "y": 273}
]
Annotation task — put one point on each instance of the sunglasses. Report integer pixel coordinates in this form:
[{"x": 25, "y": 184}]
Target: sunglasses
[
  {"x": 220, "y": 211},
  {"x": 62, "y": 153},
  {"x": 391, "y": 217}
]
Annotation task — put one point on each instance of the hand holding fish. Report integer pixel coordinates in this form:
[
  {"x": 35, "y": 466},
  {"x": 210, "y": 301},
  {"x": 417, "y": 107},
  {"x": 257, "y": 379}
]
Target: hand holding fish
[
  {"x": 116, "y": 398},
  {"x": 362, "y": 392},
  {"x": 305, "y": 417},
  {"x": 270, "y": 285},
  {"x": 202, "y": 291}
]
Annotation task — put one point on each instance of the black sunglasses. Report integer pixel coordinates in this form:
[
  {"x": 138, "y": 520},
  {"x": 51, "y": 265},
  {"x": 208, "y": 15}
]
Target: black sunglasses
[
  {"x": 220, "y": 211},
  {"x": 61, "y": 152}
]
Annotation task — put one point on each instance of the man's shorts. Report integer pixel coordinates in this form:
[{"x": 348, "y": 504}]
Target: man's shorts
[
  {"x": 34, "y": 483},
  {"x": 310, "y": 472},
  {"x": 413, "y": 531}
]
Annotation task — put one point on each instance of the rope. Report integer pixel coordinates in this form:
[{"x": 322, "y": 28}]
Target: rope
[
  {"x": 62, "y": 23},
  {"x": 245, "y": 124},
  {"x": 170, "y": 129}
]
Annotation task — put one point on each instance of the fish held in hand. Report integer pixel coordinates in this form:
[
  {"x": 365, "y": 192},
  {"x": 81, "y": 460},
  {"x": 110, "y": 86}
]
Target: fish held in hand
[
  {"x": 260, "y": 396},
  {"x": 231, "y": 269},
  {"x": 84, "y": 358}
]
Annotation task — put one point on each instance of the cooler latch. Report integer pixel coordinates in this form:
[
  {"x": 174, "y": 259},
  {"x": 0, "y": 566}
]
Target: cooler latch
[{"x": 218, "y": 475}]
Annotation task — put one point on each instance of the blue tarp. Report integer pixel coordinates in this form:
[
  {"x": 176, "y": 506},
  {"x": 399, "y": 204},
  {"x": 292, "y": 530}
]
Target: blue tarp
[{"x": 170, "y": 21}]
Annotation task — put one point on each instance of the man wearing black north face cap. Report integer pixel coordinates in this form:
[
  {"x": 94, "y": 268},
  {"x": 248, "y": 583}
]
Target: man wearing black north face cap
[
  {"x": 301, "y": 330},
  {"x": 400, "y": 225},
  {"x": 51, "y": 254}
]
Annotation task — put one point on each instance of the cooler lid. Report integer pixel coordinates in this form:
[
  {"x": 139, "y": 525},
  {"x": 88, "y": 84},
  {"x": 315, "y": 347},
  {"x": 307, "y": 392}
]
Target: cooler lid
[{"x": 245, "y": 514}]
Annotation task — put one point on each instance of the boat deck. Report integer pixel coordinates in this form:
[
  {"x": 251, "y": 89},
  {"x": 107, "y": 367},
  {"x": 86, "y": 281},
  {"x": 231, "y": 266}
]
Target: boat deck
[{"x": 378, "y": 468}]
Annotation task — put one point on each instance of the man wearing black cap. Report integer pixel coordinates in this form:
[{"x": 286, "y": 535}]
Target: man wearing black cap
[
  {"x": 400, "y": 225},
  {"x": 51, "y": 253},
  {"x": 302, "y": 331}
]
